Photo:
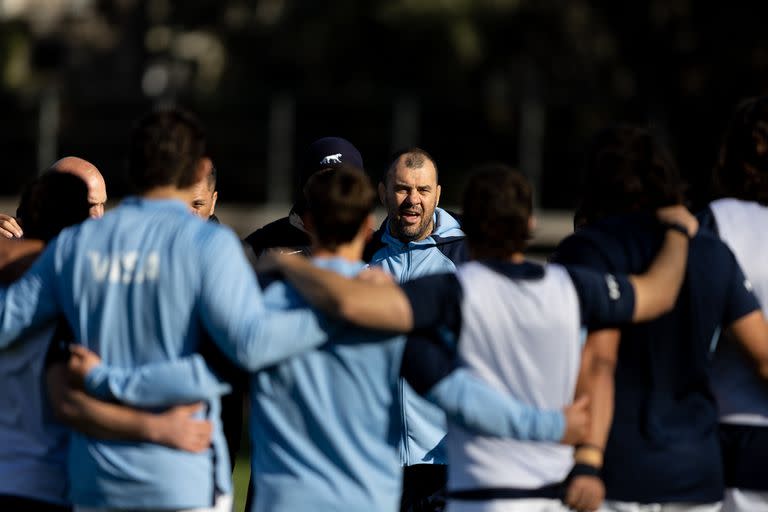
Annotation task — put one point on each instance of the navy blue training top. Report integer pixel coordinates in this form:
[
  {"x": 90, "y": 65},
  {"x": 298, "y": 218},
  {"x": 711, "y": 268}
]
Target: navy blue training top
[{"x": 663, "y": 445}]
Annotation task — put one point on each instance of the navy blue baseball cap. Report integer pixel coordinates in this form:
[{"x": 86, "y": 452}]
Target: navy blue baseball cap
[{"x": 329, "y": 152}]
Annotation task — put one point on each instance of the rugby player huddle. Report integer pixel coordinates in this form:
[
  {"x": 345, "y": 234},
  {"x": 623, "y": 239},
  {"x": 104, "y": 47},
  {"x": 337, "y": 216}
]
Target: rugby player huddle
[{"x": 424, "y": 365}]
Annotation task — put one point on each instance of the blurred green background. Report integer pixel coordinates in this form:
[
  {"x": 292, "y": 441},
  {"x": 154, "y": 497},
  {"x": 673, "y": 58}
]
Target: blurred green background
[{"x": 522, "y": 81}]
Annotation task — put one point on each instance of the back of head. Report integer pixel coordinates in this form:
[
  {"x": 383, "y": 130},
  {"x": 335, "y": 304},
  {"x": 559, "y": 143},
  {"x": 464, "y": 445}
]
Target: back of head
[
  {"x": 52, "y": 202},
  {"x": 166, "y": 148},
  {"x": 497, "y": 210},
  {"x": 628, "y": 170},
  {"x": 338, "y": 200},
  {"x": 742, "y": 169}
]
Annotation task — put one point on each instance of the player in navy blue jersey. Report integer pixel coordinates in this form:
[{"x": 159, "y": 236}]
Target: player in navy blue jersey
[
  {"x": 739, "y": 217},
  {"x": 659, "y": 431},
  {"x": 516, "y": 325}
]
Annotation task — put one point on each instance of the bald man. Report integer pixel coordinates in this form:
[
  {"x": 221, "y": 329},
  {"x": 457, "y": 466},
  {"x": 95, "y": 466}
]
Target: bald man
[
  {"x": 204, "y": 192},
  {"x": 10, "y": 227},
  {"x": 86, "y": 171}
]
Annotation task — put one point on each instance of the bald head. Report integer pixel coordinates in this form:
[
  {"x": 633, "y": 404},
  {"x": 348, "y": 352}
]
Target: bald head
[
  {"x": 204, "y": 192},
  {"x": 86, "y": 171}
]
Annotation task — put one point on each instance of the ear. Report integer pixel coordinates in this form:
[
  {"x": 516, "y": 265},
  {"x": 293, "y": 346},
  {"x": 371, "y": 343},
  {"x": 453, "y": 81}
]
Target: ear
[
  {"x": 382, "y": 193},
  {"x": 214, "y": 197},
  {"x": 437, "y": 195},
  {"x": 369, "y": 226},
  {"x": 309, "y": 223}
]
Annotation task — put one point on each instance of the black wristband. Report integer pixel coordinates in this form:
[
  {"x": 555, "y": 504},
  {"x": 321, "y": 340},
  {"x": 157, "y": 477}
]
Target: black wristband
[
  {"x": 677, "y": 227},
  {"x": 581, "y": 469}
]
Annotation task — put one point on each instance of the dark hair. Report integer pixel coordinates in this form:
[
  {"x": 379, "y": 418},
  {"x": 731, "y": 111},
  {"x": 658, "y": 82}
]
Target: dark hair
[
  {"x": 212, "y": 177},
  {"x": 414, "y": 160},
  {"x": 497, "y": 208},
  {"x": 166, "y": 149},
  {"x": 52, "y": 202},
  {"x": 742, "y": 168},
  {"x": 627, "y": 170},
  {"x": 338, "y": 199}
]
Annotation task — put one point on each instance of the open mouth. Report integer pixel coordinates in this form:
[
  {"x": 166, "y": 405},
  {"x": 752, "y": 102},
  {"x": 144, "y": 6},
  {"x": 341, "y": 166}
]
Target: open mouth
[{"x": 410, "y": 217}]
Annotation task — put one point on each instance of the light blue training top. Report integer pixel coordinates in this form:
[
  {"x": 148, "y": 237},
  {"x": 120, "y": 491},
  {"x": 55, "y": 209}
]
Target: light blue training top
[
  {"x": 423, "y": 425},
  {"x": 139, "y": 286}
]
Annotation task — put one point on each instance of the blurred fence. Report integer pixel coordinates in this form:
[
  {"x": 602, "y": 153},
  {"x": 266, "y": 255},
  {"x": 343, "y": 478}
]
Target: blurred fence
[{"x": 551, "y": 227}]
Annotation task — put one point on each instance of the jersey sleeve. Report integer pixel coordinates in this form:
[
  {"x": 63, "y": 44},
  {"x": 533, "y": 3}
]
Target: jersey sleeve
[
  {"x": 185, "y": 380},
  {"x": 233, "y": 311},
  {"x": 474, "y": 405},
  {"x": 740, "y": 299},
  {"x": 605, "y": 300},
  {"x": 435, "y": 301},
  {"x": 31, "y": 300}
]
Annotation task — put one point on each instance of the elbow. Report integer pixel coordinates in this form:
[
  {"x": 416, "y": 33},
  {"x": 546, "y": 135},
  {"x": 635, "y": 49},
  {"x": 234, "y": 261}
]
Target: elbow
[
  {"x": 664, "y": 304},
  {"x": 345, "y": 308}
]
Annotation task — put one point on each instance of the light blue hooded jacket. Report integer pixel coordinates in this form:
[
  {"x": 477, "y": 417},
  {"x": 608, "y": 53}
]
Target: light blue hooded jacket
[{"x": 423, "y": 425}]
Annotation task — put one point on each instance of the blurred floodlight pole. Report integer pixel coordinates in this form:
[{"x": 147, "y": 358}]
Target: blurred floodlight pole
[
  {"x": 282, "y": 127},
  {"x": 532, "y": 125},
  {"x": 48, "y": 125},
  {"x": 406, "y": 119}
]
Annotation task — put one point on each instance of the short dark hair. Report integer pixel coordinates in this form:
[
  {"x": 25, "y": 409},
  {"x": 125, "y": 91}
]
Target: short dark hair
[
  {"x": 338, "y": 199},
  {"x": 414, "y": 160},
  {"x": 166, "y": 149},
  {"x": 742, "y": 168},
  {"x": 52, "y": 202},
  {"x": 496, "y": 211},
  {"x": 627, "y": 169}
]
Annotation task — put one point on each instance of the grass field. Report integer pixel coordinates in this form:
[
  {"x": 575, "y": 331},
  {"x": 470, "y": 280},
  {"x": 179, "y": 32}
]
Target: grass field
[{"x": 240, "y": 479}]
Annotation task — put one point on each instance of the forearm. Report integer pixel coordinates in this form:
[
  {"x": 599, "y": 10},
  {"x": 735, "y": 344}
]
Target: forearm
[
  {"x": 474, "y": 405},
  {"x": 168, "y": 383},
  {"x": 601, "y": 392},
  {"x": 372, "y": 305},
  {"x": 596, "y": 380},
  {"x": 95, "y": 418},
  {"x": 16, "y": 257},
  {"x": 656, "y": 290}
]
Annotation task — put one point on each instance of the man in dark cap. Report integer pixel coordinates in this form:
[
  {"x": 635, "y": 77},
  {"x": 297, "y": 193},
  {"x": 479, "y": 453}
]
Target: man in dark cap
[{"x": 289, "y": 232}]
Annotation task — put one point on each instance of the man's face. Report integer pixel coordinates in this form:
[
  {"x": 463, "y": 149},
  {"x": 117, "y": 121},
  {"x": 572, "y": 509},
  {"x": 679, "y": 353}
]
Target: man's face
[
  {"x": 411, "y": 195},
  {"x": 204, "y": 198},
  {"x": 97, "y": 195}
]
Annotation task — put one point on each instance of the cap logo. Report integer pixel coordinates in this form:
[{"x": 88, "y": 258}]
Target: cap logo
[{"x": 331, "y": 159}]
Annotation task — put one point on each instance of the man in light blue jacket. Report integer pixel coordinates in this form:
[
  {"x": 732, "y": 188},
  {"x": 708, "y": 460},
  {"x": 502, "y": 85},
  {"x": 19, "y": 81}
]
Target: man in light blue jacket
[{"x": 417, "y": 239}]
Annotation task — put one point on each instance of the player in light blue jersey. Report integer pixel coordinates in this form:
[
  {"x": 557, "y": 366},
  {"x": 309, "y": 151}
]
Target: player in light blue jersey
[
  {"x": 34, "y": 444},
  {"x": 139, "y": 286},
  {"x": 518, "y": 327}
]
